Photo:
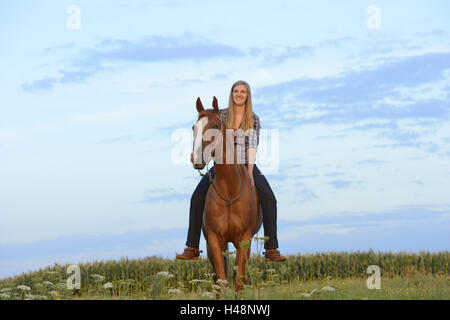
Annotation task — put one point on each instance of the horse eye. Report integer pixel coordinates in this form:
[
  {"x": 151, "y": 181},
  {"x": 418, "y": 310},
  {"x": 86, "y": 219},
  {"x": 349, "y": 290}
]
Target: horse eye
[{"x": 192, "y": 127}]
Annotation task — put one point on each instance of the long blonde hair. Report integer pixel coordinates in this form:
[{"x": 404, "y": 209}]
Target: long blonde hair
[{"x": 247, "y": 119}]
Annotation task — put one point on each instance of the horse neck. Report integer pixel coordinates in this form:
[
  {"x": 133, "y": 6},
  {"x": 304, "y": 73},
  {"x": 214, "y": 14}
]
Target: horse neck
[
  {"x": 226, "y": 175},
  {"x": 227, "y": 178}
]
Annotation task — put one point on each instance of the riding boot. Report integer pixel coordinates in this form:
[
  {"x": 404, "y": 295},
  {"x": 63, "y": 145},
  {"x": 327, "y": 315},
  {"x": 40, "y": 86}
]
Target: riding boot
[
  {"x": 274, "y": 255},
  {"x": 190, "y": 253}
]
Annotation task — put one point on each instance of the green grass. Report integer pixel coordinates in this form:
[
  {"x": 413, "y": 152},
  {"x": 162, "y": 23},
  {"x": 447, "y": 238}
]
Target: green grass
[
  {"x": 420, "y": 287},
  {"x": 421, "y": 275}
]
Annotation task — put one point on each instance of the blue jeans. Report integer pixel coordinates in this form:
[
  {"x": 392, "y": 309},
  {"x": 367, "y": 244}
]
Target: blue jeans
[{"x": 266, "y": 198}]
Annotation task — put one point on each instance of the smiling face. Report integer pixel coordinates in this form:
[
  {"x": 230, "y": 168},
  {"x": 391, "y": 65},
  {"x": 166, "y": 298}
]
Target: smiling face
[{"x": 240, "y": 94}]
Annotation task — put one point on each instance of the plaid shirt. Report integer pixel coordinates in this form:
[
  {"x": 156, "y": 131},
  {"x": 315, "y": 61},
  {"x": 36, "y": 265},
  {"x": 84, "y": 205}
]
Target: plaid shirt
[{"x": 244, "y": 140}]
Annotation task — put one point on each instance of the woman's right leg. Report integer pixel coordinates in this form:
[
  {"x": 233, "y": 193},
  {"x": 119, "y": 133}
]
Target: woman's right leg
[
  {"x": 196, "y": 211},
  {"x": 191, "y": 252}
]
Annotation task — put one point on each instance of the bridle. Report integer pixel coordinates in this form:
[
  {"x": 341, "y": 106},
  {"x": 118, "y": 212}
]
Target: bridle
[{"x": 213, "y": 181}]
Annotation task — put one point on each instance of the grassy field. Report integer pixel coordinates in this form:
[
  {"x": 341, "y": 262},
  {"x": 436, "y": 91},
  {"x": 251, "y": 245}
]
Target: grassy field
[{"x": 340, "y": 275}]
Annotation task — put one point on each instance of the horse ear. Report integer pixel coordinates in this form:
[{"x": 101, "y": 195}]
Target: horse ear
[
  {"x": 215, "y": 105},
  {"x": 199, "y": 105}
]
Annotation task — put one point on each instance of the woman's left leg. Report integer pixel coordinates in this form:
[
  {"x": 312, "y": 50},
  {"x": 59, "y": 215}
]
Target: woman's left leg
[{"x": 269, "y": 210}]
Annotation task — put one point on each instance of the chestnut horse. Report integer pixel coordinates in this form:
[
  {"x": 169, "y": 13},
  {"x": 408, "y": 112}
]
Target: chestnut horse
[{"x": 232, "y": 211}]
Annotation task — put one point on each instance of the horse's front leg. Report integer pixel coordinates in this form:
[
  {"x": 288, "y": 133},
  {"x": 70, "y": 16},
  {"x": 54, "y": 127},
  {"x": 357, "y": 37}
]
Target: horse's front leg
[
  {"x": 215, "y": 253},
  {"x": 242, "y": 254}
]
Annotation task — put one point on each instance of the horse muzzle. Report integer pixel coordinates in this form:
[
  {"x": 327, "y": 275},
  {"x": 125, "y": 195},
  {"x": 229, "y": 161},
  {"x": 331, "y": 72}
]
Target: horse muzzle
[{"x": 199, "y": 166}]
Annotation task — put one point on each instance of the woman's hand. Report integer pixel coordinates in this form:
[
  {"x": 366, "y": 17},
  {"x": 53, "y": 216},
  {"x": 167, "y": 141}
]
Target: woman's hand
[
  {"x": 250, "y": 173},
  {"x": 253, "y": 182}
]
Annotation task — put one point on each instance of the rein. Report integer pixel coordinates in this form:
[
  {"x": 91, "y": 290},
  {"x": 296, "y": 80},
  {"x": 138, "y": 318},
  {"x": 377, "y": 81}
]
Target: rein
[{"x": 213, "y": 181}]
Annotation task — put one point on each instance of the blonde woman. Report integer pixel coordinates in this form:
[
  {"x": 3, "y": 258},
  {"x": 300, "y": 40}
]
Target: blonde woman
[{"x": 239, "y": 114}]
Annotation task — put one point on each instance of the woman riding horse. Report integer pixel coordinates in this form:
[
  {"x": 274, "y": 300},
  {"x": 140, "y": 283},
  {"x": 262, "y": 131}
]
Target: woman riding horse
[{"x": 238, "y": 115}]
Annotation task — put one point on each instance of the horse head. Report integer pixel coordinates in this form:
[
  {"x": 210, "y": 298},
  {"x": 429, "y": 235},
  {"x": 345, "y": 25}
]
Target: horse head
[{"x": 207, "y": 134}]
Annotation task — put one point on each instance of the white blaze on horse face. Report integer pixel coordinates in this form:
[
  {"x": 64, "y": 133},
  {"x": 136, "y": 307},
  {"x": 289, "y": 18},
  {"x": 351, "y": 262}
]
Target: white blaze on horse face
[
  {"x": 198, "y": 139},
  {"x": 217, "y": 145}
]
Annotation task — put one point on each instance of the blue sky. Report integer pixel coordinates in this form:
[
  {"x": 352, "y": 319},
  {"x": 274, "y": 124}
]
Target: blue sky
[{"x": 90, "y": 116}]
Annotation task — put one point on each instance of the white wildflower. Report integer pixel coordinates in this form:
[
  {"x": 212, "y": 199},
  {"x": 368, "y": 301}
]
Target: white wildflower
[
  {"x": 23, "y": 288},
  {"x": 224, "y": 282},
  {"x": 47, "y": 283},
  {"x": 61, "y": 285},
  {"x": 307, "y": 295},
  {"x": 200, "y": 281},
  {"x": 208, "y": 294},
  {"x": 195, "y": 281},
  {"x": 108, "y": 285},
  {"x": 165, "y": 274},
  {"x": 175, "y": 291},
  {"x": 328, "y": 288},
  {"x": 34, "y": 297},
  {"x": 97, "y": 277},
  {"x": 271, "y": 270},
  {"x": 5, "y": 296}
]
